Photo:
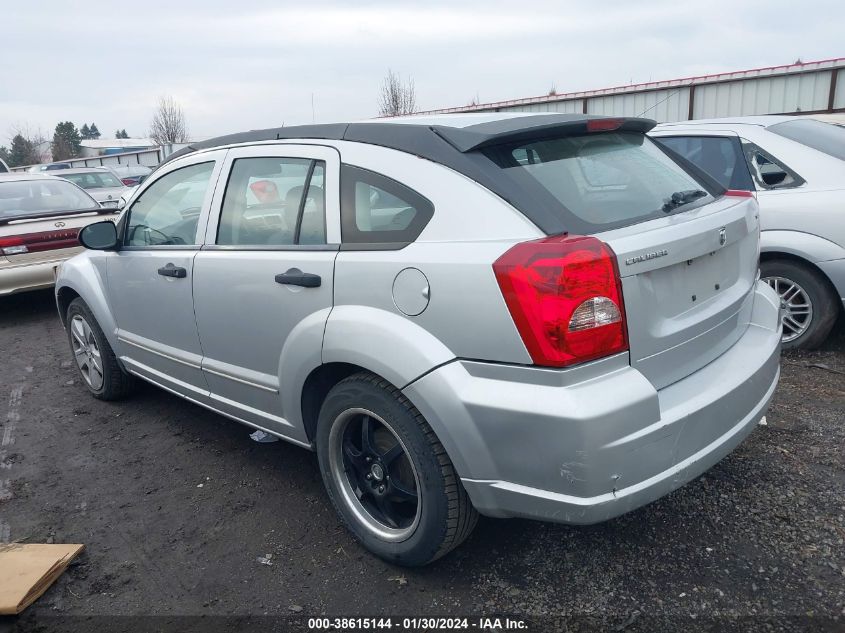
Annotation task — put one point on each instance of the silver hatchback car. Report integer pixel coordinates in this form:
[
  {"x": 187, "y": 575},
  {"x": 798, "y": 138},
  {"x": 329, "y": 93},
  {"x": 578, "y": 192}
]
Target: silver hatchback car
[{"x": 520, "y": 316}]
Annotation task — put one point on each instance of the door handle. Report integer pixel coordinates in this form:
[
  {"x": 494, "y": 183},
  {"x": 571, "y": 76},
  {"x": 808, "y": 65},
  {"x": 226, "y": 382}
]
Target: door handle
[
  {"x": 295, "y": 277},
  {"x": 173, "y": 271}
]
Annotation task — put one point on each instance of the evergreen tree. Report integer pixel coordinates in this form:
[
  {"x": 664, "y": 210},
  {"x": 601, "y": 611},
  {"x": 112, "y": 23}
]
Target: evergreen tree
[
  {"x": 66, "y": 141},
  {"x": 95, "y": 133},
  {"x": 123, "y": 133},
  {"x": 85, "y": 131},
  {"x": 22, "y": 152}
]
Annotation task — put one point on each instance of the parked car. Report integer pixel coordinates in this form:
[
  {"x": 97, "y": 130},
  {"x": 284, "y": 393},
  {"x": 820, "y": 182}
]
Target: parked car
[
  {"x": 522, "y": 316},
  {"x": 37, "y": 169},
  {"x": 40, "y": 217},
  {"x": 131, "y": 175},
  {"x": 796, "y": 167},
  {"x": 100, "y": 183}
]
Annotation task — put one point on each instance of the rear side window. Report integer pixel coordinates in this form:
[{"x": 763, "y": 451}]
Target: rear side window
[
  {"x": 719, "y": 156},
  {"x": 606, "y": 180},
  {"x": 768, "y": 171},
  {"x": 272, "y": 201},
  {"x": 376, "y": 209}
]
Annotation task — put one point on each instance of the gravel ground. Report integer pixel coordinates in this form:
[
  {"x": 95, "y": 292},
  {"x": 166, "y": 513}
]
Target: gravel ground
[{"x": 175, "y": 505}]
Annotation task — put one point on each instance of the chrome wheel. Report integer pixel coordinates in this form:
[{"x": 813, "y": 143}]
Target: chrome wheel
[
  {"x": 374, "y": 474},
  {"x": 798, "y": 308},
  {"x": 86, "y": 352}
]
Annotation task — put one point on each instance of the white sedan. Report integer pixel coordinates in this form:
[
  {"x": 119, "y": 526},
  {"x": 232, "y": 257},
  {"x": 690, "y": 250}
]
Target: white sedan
[
  {"x": 796, "y": 167},
  {"x": 100, "y": 183}
]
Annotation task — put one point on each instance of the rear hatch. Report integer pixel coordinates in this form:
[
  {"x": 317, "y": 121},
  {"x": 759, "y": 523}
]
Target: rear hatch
[
  {"x": 687, "y": 254},
  {"x": 686, "y": 283}
]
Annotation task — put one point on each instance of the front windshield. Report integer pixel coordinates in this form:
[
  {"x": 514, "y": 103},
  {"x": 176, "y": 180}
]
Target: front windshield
[
  {"x": 93, "y": 180},
  {"x": 29, "y": 198}
]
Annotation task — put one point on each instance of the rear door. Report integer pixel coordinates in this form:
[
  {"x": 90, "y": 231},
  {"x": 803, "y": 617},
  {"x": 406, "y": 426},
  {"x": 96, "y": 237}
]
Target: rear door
[
  {"x": 263, "y": 281},
  {"x": 150, "y": 277}
]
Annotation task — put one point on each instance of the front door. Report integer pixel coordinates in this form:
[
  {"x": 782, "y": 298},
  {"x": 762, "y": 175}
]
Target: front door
[
  {"x": 150, "y": 277},
  {"x": 263, "y": 280}
]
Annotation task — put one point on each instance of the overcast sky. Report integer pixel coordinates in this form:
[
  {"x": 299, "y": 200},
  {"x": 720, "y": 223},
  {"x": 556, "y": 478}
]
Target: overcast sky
[{"x": 244, "y": 64}]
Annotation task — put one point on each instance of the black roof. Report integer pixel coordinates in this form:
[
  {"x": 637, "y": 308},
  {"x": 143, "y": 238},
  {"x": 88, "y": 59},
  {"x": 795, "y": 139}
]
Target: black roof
[{"x": 454, "y": 147}]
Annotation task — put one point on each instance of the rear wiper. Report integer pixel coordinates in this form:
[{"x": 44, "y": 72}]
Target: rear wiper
[{"x": 680, "y": 198}]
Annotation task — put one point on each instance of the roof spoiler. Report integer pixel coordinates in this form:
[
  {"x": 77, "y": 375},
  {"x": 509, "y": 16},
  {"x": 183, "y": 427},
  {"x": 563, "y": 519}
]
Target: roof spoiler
[{"x": 527, "y": 129}]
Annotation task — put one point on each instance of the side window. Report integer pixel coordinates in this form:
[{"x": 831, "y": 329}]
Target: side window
[
  {"x": 167, "y": 212},
  {"x": 273, "y": 201},
  {"x": 719, "y": 156},
  {"x": 768, "y": 172},
  {"x": 377, "y": 209}
]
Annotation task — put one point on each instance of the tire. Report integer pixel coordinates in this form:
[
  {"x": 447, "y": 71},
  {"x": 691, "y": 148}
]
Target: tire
[
  {"x": 442, "y": 517},
  {"x": 781, "y": 274},
  {"x": 90, "y": 348}
]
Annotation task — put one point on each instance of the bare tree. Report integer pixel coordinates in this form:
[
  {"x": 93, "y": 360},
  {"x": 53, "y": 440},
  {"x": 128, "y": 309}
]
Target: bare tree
[
  {"x": 168, "y": 124},
  {"x": 396, "y": 98}
]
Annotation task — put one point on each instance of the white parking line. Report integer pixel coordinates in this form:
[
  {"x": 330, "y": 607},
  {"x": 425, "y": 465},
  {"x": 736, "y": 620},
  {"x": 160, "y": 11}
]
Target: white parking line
[{"x": 13, "y": 417}]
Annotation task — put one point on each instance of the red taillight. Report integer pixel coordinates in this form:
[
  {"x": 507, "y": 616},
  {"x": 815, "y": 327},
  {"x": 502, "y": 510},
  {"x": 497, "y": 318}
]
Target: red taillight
[
  {"x": 565, "y": 297},
  {"x": 603, "y": 125},
  {"x": 35, "y": 242},
  {"x": 129, "y": 182},
  {"x": 739, "y": 193}
]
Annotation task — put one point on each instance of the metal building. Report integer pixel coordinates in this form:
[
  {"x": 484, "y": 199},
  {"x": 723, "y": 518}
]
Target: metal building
[{"x": 799, "y": 88}]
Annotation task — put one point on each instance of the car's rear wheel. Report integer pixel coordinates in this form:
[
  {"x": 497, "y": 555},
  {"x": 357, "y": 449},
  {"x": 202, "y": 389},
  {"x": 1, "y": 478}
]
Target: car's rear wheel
[
  {"x": 387, "y": 474},
  {"x": 94, "y": 358},
  {"x": 810, "y": 309}
]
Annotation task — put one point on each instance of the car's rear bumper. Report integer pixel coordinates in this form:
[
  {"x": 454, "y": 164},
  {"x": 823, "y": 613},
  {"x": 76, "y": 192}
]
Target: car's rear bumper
[
  {"x": 28, "y": 276},
  {"x": 582, "y": 447}
]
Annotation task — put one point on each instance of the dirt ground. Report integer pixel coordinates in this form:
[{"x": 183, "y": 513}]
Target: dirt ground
[{"x": 175, "y": 505}]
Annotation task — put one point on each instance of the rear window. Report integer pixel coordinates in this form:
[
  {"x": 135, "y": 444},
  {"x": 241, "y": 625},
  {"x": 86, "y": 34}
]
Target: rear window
[
  {"x": 605, "y": 180},
  {"x": 93, "y": 180},
  {"x": 25, "y": 198},
  {"x": 823, "y": 137}
]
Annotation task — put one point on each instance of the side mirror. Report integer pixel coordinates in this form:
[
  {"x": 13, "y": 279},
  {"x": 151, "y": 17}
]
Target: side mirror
[{"x": 99, "y": 236}]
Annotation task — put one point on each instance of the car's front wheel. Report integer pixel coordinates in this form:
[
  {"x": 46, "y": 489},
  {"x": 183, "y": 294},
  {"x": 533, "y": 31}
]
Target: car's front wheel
[
  {"x": 810, "y": 308},
  {"x": 95, "y": 360},
  {"x": 387, "y": 474}
]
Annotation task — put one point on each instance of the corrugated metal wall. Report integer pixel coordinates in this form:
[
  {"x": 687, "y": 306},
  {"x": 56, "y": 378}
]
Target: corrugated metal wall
[
  {"x": 570, "y": 106},
  {"x": 798, "y": 87},
  {"x": 839, "y": 95},
  {"x": 790, "y": 93},
  {"x": 662, "y": 105}
]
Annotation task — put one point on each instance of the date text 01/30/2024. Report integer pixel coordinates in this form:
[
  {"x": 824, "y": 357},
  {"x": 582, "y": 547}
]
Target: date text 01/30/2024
[{"x": 419, "y": 623}]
